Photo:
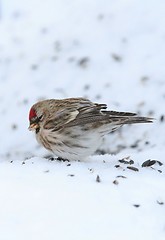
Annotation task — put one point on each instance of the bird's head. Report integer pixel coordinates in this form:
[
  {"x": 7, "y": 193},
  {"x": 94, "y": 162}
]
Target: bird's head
[{"x": 35, "y": 119}]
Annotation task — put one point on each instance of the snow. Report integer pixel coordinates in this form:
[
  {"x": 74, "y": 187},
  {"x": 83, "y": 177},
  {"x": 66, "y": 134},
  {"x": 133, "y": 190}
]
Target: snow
[{"x": 111, "y": 52}]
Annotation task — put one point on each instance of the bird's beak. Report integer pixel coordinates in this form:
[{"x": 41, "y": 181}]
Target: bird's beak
[{"x": 33, "y": 126}]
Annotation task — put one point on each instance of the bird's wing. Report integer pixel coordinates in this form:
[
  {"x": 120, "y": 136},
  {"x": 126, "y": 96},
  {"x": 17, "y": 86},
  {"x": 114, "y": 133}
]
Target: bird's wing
[
  {"x": 80, "y": 111},
  {"x": 74, "y": 111}
]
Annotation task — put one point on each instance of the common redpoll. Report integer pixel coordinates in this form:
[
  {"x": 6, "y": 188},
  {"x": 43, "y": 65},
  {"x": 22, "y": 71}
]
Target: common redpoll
[{"x": 73, "y": 128}]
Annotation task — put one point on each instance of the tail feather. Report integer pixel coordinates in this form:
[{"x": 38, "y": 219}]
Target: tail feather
[
  {"x": 124, "y": 114},
  {"x": 131, "y": 120}
]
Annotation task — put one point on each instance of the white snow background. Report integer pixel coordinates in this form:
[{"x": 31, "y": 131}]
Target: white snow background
[{"x": 111, "y": 52}]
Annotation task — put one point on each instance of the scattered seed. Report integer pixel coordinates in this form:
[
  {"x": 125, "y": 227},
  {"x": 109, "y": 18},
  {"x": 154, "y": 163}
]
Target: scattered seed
[
  {"x": 68, "y": 165},
  {"x": 115, "y": 182},
  {"x": 23, "y": 163},
  {"x": 86, "y": 87},
  {"x": 133, "y": 168},
  {"x": 62, "y": 160},
  {"x": 116, "y": 57},
  {"x": 71, "y": 175},
  {"x": 117, "y": 166},
  {"x": 126, "y": 162},
  {"x": 136, "y": 205},
  {"x": 148, "y": 163},
  {"x": 135, "y": 145},
  {"x": 160, "y": 202},
  {"x": 91, "y": 170},
  {"x": 46, "y": 171},
  {"x": 14, "y": 126},
  {"x": 160, "y": 171},
  {"x": 98, "y": 179},
  {"x": 83, "y": 62},
  {"x": 144, "y": 79},
  {"x": 160, "y": 163},
  {"x": 121, "y": 176},
  {"x": 162, "y": 118}
]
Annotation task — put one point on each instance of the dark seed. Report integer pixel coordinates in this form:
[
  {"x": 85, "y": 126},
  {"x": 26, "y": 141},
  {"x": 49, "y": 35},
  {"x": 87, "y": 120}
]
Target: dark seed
[
  {"x": 160, "y": 202},
  {"x": 126, "y": 162},
  {"x": 71, "y": 175},
  {"x": 68, "y": 165},
  {"x": 115, "y": 182},
  {"x": 134, "y": 145},
  {"x": 117, "y": 166},
  {"x": 162, "y": 118},
  {"x": 148, "y": 163},
  {"x": 14, "y": 126},
  {"x": 133, "y": 168},
  {"x": 131, "y": 162},
  {"x": 122, "y": 161},
  {"x": 61, "y": 159},
  {"x": 98, "y": 179},
  {"x": 136, "y": 205},
  {"x": 121, "y": 176},
  {"x": 160, "y": 163},
  {"x": 144, "y": 78},
  {"x": 83, "y": 62},
  {"x": 90, "y": 169},
  {"x": 116, "y": 57},
  {"x": 86, "y": 87}
]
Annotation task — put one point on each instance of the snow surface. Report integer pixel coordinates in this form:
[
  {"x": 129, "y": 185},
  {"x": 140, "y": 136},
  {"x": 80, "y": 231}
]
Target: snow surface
[{"x": 111, "y": 52}]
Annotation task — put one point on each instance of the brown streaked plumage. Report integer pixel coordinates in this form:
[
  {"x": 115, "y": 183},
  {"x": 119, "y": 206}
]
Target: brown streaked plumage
[{"x": 73, "y": 128}]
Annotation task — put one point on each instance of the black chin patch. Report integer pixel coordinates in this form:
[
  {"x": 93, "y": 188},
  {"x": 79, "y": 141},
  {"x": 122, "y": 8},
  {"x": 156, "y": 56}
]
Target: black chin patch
[{"x": 37, "y": 130}]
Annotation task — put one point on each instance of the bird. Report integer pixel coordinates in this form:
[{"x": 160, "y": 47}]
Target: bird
[{"x": 73, "y": 128}]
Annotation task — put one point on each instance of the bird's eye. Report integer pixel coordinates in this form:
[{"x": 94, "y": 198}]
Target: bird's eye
[{"x": 40, "y": 118}]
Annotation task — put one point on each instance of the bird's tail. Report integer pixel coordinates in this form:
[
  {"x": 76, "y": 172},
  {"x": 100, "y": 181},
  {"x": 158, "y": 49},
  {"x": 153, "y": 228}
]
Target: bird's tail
[
  {"x": 131, "y": 120},
  {"x": 121, "y": 118}
]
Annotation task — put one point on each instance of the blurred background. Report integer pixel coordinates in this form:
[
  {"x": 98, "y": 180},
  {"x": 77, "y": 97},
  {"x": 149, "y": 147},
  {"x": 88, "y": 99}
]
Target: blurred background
[{"x": 110, "y": 51}]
